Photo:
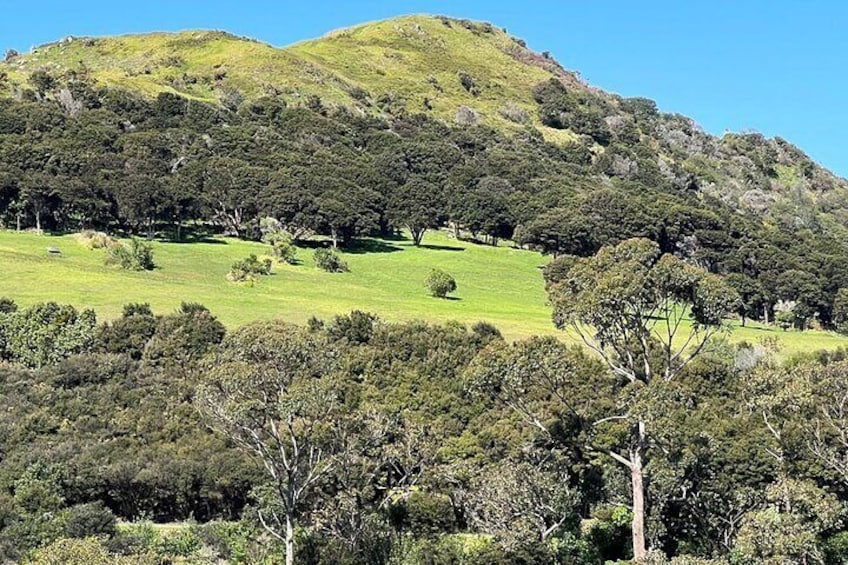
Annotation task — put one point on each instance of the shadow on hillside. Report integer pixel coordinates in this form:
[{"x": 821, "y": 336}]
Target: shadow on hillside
[
  {"x": 361, "y": 246},
  {"x": 441, "y": 247},
  {"x": 196, "y": 239},
  {"x": 194, "y": 235}
]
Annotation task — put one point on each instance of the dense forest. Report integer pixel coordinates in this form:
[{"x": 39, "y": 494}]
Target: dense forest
[
  {"x": 167, "y": 438},
  {"x": 354, "y": 440}
]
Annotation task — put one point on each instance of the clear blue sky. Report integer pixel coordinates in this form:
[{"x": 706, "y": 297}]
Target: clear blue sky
[{"x": 773, "y": 66}]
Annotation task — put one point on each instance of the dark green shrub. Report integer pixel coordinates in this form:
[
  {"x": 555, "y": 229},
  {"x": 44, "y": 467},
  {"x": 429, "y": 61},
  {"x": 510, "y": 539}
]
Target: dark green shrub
[
  {"x": 92, "y": 519},
  {"x": 356, "y": 327},
  {"x": 836, "y": 549},
  {"x": 427, "y": 513},
  {"x": 137, "y": 256},
  {"x": 440, "y": 284},
  {"x": 329, "y": 260},
  {"x": 129, "y": 334},
  {"x": 7, "y": 305}
]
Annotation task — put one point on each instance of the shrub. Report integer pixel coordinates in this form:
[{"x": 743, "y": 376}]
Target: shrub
[
  {"x": 329, "y": 260},
  {"x": 467, "y": 82},
  {"x": 440, "y": 284},
  {"x": 356, "y": 327},
  {"x": 137, "y": 256},
  {"x": 515, "y": 113},
  {"x": 281, "y": 241},
  {"x": 92, "y": 519},
  {"x": 283, "y": 249},
  {"x": 96, "y": 239},
  {"x": 7, "y": 305},
  {"x": 246, "y": 270},
  {"x": 90, "y": 551}
]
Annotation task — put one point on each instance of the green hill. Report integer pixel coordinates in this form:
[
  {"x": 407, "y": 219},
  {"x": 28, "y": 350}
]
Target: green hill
[
  {"x": 500, "y": 285},
  {"x": 452, "y": 70},
  {"x": 417, "y": 121},
  {"x": 373, "y": 67}
]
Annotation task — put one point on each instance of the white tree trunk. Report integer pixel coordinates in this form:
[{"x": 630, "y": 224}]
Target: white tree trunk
[
  {"x": 289, "y": 540},
  {"x": 637, "y": 479}
]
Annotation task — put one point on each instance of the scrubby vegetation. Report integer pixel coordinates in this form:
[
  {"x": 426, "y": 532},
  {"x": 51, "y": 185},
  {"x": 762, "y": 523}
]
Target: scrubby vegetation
[
  {"x": 356, "y": 440},
  {"x": 137, "y": 255},
  {"x": 246, "y": 270},
  {"x": 329, "y": 260}
]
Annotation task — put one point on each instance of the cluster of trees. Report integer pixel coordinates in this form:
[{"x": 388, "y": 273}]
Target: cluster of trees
[
  {"x": 118, "y": 162},
  {"x": 360, "y": 441}
]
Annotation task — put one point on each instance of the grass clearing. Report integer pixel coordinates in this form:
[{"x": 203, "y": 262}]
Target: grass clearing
[{"x": 501, "y": 285}]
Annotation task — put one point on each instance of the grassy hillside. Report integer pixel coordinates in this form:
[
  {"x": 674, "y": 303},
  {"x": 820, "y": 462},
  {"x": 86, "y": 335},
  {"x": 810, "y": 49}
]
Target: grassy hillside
[
  {"x": 439, "y": 66},
  {"x": 379, "y": 67},
  {"x": 501, "y": 285}
]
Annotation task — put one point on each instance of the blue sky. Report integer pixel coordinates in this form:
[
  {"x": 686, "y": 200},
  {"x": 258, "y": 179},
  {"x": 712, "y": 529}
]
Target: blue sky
[{"x": 772, "y": 66}]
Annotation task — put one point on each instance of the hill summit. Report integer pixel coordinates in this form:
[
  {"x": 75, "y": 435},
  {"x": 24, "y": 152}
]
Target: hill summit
[{"x": 457, "y": 71}]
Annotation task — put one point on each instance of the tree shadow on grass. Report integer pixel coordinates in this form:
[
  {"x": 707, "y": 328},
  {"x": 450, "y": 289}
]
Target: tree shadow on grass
[
  {"x": 441, "y": 247},
  {"x": 362, "y": 246}
]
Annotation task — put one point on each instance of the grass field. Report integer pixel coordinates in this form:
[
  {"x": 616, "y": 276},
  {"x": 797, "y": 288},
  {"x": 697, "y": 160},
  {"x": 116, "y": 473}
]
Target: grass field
[{"x": 501, "y": 285}]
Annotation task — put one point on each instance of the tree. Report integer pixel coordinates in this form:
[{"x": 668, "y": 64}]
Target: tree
[
  {"x": 628, "y": 304},
  {"x": 839, "y": 313},
  {"x": 416, "y": 205},
  {"x": 440, "y": 283},
  {"x": 270, "y": 390},
  {"x": 230, "y": 190},
  {"x": 558, "y": 232},
  {"x": 345, "y": 211},
  {"x": 45, "y": 333},
  {"x": 521, "y": 503},
  {"x": 38, "y": 191},
  {"x": 750, "y": 292},
  {"x": 788, "y": 529}
]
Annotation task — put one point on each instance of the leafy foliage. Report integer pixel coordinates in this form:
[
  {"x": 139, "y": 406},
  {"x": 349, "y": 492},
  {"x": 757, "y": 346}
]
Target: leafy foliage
[
  {"x": 440, "y": 283},
  {"x": 329, "y": 260},
  {"x": 137, "y": 256}
]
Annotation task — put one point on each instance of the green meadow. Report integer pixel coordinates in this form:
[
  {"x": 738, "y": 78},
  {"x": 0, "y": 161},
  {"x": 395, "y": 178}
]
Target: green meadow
[{"x": 500, "y": 285}]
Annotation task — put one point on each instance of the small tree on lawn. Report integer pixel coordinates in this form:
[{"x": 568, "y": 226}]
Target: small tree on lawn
[
  {"x": 329, "y": 260},
  {"x": 440, "y": 283}
]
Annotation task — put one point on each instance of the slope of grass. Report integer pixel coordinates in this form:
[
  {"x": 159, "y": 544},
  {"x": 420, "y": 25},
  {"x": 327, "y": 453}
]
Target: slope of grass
[
  {"x": 501, "y": 285},
  {"x": 378, "y": 67}
]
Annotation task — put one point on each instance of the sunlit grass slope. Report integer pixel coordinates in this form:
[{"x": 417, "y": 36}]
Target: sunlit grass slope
[
  {"x": 412, "y": 63},
  {"x": 501, "y": 285}
]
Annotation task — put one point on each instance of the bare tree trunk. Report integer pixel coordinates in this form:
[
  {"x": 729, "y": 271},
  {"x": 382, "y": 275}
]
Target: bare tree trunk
[
  {"x": 335, "y": 237},
  {"x": 289, "y": 540},
  {"x": 38, "y": 221},
  {"x": 18, "y": 221},
  {"x": 417, "y": 236},
  {"x": 637, "y": 479}
]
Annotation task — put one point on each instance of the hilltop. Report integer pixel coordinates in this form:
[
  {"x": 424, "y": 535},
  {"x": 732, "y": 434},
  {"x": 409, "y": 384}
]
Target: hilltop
[
  {"x": 455, "y": 70},
  {"x": 410, "y": 62}
]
